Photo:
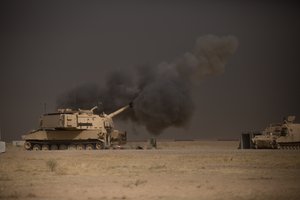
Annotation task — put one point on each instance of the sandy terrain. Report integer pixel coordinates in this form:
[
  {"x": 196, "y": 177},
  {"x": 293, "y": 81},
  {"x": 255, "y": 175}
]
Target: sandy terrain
[{"x": 178, "y": 170}]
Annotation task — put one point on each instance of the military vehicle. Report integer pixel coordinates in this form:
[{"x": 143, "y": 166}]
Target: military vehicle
[
  {"x": 289, "y": 135},
  {"x": 75, "y": 129},
  {"x": 284, "y": 135}
]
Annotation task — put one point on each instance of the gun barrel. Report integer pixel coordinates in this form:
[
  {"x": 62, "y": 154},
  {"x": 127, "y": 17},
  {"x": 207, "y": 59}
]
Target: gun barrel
[
  {"x": 94, "y": 108},
  {"x": 118, "y": 111}
]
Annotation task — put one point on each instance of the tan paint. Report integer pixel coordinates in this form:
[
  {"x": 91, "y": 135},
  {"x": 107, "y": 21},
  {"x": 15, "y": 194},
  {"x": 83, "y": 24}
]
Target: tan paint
[
  {"x": 69, "y": 126},
  {"x": 284, "y": 134}
]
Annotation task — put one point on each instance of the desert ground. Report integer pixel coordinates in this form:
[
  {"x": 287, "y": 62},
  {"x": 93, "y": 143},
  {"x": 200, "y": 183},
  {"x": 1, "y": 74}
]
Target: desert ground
[{"x": 176, "y": 170}]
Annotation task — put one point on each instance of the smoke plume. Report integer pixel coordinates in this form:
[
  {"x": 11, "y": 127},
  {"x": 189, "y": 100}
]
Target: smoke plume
[{"x": 161, "y": 94}]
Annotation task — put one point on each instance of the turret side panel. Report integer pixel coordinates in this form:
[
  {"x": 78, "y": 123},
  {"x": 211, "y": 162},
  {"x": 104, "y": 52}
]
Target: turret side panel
[
  {"x": 52, "y": 121},
  {"x": 71, "y": 121},
  {"x": 88, "y": 122}
]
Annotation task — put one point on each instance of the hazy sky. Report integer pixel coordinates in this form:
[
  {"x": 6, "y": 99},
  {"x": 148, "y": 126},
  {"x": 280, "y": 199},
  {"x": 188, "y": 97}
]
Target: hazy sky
[{"x": 48, "y": 47}]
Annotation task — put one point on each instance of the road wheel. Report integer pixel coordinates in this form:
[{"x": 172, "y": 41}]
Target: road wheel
[
  {"x": 63, "y": 147},
  {"x": 72, "y": 147},
  {"x": 284, "y": 147},
  {"x": 99, "y": 145},
  {"x": 278, "y": 146},
  {"x": 36, "y": 147},
  {"x": 27, "y": 145},
  {"x": 45, "y": 147},
  {"x": 54, "y": 147},
  {"x": 89, "y": 147},
  {"x": 80, "y": 147}
]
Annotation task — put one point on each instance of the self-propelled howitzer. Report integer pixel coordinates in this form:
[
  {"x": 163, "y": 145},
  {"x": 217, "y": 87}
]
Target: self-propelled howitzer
[
  {"x": 75, "y": 129},
  {"x": 284, "y": 135}
]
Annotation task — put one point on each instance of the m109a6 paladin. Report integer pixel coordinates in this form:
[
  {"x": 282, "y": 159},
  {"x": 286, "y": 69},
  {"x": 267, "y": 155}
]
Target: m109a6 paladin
[
  {"x": 75, "y": 129},
  {"x": 284, "y": 135}
]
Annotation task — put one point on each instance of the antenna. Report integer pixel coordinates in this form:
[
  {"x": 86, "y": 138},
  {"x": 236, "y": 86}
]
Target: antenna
[
  {"x": 100, "y": 106},
  {"x": 75, "y": 100}
]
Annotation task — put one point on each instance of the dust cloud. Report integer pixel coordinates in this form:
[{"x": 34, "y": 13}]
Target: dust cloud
[{"x": 161, "y": 94}]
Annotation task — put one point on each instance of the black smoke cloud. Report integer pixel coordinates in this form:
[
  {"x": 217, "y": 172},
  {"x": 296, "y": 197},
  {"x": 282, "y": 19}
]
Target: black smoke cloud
[{"x": 161, "y": 94}]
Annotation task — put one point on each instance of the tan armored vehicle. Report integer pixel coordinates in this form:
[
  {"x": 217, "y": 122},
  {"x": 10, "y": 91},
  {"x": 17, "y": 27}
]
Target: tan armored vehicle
[
  {"x": 267, "y": 139},
  {"x": 75, "y": 129},
  {"x": 290, "y": 135},
  {"x": 282, "y": 135}
]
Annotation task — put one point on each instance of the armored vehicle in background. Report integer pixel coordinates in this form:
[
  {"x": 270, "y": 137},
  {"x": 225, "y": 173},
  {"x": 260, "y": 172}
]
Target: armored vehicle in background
[
  {"x": 267, "y": 138},
  {"x": 75, "y": 129},
  {"x": 284, "y": 135},
  {"x": 290, "y": 135}
]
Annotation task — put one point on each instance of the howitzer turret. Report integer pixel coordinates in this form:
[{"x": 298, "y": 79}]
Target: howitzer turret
[
  {"x": 75, "y": 129},
  {"x": 280, "y": 135}
]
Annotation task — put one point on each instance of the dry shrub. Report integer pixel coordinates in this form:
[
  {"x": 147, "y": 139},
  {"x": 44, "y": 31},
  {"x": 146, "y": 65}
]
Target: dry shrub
[
  {"x": 139, "y": 182},
  {"x": 51, "y": 164}
]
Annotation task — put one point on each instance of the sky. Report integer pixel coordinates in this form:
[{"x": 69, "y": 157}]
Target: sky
[{"x": 50, "y": 47}]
